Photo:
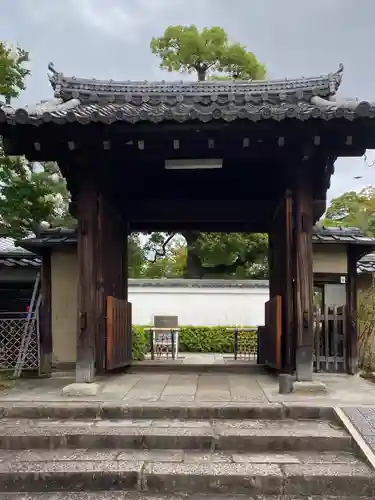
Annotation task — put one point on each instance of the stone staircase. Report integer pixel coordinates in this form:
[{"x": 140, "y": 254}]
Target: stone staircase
[{"x": 113, "y": 452}]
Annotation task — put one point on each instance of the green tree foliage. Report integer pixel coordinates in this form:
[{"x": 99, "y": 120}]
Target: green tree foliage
[
  {"x": 211, "y": 55},
  {"x": 13, "y": 72},
  {"x": 31, "y": 195},
  {"x": 186, "y": 49},
  {"x": 353, "y": 209},
  {"x": 172, "y": 265},
  {"x": 226, "y": 255}
]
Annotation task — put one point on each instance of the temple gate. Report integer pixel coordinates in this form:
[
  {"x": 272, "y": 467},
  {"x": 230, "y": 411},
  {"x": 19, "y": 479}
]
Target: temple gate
[{"x": 193, "y": 156}]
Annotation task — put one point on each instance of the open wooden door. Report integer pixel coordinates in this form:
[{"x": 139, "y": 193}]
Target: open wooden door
[
  {"x": 273, "y": 331},
  {"x": 118, "y": 333}
]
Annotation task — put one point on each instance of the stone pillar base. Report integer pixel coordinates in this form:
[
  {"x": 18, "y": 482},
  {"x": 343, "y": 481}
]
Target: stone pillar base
[
  {"x": 80, "y": 389},
  {"x": 309, "y": 387},
  {"x": 304, "y": 363}
]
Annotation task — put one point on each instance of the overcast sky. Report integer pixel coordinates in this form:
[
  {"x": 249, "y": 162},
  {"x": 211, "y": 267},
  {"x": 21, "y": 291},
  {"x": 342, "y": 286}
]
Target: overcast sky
[{"x": 110, "y": 39}]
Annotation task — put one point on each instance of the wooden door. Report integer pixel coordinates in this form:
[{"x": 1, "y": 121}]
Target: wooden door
[
  {"x": 273, "y": 330},
  {"x": 118, "y": 333}
]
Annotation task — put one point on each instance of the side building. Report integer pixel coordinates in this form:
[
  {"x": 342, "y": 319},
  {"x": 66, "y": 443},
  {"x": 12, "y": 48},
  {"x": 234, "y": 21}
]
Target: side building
[{"x": 58, "y": 251}]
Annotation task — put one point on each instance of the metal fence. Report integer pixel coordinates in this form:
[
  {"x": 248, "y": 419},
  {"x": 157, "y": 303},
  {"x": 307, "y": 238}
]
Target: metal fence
[{"x": 19, "y": 341}]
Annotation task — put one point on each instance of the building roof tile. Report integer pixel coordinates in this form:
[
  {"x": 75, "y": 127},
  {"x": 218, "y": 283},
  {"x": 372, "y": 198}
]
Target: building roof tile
[
  {"x": 16, "y": 256},
  {"x": 367, "y": 264},
  {"x": 107, "y": 101},
  {"x": 349, "y": 236}
]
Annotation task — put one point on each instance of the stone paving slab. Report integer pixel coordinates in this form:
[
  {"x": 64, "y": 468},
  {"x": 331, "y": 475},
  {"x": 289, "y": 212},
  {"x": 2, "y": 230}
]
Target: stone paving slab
[
  {"x": 214, "y": 477},
  {"x": 189, "y": 476},
  {"x": 339, "y": 479},
  {"x": 123, "y": 495},
  {"x": 198, "y": 388},
  {"x": 151, "y": 410},
  {"x": 244, "y": 435},
  {"x": 185, "y": 456},
  {"x": 146, "y": 410},
  {"x": 363, "y": 420}
]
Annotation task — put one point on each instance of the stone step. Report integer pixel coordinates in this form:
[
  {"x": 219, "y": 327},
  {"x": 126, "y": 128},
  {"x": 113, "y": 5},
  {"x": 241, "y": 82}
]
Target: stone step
[
  {"x": 241, "y": 435},
  {"x": 177, "y": 366},
  {"x": 81, "y": 410},
  {"x": 171, "y": 471},
  {"x": 130, "y": 495}
]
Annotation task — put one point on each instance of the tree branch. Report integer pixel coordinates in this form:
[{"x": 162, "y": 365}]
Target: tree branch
[
  {"x": 163, "y": 251},
  {"x": 229, "y": 268}
]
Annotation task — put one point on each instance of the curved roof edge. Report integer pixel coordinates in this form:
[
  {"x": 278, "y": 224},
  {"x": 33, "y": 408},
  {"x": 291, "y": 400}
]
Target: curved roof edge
[{"x": 67, "y": 87}]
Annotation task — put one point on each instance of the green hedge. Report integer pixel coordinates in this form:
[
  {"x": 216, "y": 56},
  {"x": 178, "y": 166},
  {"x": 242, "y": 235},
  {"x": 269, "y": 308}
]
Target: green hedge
[
  {"x": 141, "y": 345},
  {"x": 192, "y": 339}
]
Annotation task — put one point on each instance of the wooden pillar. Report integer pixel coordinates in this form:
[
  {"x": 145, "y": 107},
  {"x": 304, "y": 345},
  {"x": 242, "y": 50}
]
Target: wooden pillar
[
  {"x": 352, "y": 331},
  {"x": 45, "y": 318},
  {"x": 303, "y": 261},
  {"x": 87, "y": 211},
  {"x": 281, "y": 278}
]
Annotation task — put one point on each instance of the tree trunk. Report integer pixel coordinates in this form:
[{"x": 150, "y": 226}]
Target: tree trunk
[
  {"x": 194, "y": 269},
  {"x": 201, "y": 74}
]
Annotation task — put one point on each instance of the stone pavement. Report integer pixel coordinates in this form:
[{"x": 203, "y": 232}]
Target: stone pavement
[
  {"x": 195, "y": 388},
  {"x": 363, "y": 419}
]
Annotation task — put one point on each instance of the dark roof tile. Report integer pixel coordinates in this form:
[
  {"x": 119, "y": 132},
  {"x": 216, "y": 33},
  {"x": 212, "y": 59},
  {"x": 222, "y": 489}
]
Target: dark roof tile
[{"x": 85, "y": 101}]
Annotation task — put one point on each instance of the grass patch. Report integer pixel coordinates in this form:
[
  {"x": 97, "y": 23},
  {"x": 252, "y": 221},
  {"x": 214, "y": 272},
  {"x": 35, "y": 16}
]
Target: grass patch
[{"x": 6, "y": 382}]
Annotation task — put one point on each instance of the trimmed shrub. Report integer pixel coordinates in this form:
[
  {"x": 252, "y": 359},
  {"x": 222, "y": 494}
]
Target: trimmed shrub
[
  {"x": 140, "y": 343},
  {"x": 206, "y": 339},
  {"x": 192, "y": 339}
]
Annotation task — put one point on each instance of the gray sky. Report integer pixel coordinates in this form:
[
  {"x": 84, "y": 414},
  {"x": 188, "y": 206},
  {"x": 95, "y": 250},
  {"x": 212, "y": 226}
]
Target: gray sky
[{"x": 110, "y": 39}]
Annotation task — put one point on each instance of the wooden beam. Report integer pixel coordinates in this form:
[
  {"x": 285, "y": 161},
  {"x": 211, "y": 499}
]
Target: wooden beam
[
  {"x": 45, "y": 316},
  {"x": 87, "y": 205},
  {"x": 303, "y": 263},
  {"x": 352, "y": 313},
  {"x": 200, "y": 226}
]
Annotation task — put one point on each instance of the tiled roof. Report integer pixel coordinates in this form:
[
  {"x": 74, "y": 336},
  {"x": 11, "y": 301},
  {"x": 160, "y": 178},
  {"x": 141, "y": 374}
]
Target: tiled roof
[
  {"x": 197, "y": 283},
  {"x": 62, "y": 236},
  {"x": 347, "y": 235},
  {"x": 367, "y": 264},
  {"x": 106, "y": 101},
  {"x": 7, "y": 245},
  {"x": 14, "y": 256},
  {"x": 50, "y": 238},
  {"x": 11, "y": 255}
]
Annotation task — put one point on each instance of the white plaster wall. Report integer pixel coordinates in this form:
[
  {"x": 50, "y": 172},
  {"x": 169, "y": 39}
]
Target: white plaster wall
[
  {"x": 64, "y": 279},
  {"x": 330, "y": 259},
  {"x": 335, "y": 294},
  {"x": 199, "y": 306}
]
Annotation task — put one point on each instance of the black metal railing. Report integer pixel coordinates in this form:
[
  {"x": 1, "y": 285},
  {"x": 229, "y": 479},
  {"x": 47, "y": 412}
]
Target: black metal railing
[{"x": 245, "y": 344}]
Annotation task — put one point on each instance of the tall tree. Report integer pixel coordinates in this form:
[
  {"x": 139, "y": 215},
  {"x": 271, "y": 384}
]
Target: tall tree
[
  {"x": 353, "y": 209},
  {"x": 211, "y": 55},
  {"x": 205, "y": 52},
  {"x": 31, "y": 194},
  {"x": 13, "y": 71}
]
